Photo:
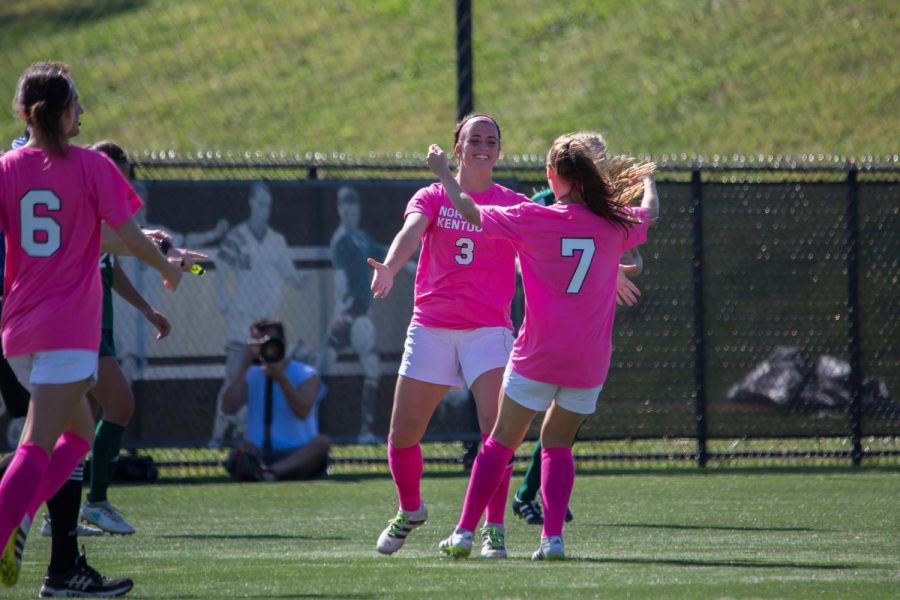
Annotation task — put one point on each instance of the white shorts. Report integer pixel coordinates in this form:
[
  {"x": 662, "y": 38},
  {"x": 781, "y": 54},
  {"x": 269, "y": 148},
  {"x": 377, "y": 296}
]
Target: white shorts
[
  {"x": 539, "y": 396},
  {"x": 55, "y": 367},
  {"x": 454, "y": 357}
]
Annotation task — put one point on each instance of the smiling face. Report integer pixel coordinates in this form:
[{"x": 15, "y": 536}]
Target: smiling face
[{"x": 479, "y": 144}]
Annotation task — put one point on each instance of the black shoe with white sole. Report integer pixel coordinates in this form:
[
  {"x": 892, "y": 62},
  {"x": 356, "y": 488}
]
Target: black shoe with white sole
[{"x": 82, "y": 581}]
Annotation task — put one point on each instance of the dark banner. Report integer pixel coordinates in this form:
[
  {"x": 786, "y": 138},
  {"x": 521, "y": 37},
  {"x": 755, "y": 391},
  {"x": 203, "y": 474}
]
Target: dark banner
[
  {"x": 293, "y": 251},
  {"x": 774, "y": 300}
]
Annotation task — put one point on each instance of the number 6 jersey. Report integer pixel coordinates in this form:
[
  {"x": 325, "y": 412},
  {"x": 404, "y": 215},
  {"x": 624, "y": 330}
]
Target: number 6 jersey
[{"x": 51, "y": 206}]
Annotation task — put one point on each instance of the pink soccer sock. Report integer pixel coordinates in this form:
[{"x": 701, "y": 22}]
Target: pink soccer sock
[
  {"x": 557, "y": 481},
  {"x": 407, "y": 466},
  {"x": 489, "y": 467},
  {"x": 19, "y": 485},
  {"x": 496, "y": 508},
  {"x": 69, "y": 450}
]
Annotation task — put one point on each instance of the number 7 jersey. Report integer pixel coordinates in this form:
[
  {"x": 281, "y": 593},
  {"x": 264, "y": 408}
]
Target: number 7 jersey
[
  {"x": 569, "y": 259},
  {"x": 51, "y": 206},
  {"x": 464, "y": 280}
]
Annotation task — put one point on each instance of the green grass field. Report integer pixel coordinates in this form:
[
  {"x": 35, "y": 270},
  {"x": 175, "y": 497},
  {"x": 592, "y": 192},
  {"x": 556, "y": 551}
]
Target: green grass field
[
  {"x": 660, "y": 77},
  {"x": 819, "y": 533}
]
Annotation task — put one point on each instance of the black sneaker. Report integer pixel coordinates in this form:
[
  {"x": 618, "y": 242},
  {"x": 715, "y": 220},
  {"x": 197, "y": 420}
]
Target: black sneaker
[
  {"x": 529, "y": 510},
  {"x": 82, "y": 581}
]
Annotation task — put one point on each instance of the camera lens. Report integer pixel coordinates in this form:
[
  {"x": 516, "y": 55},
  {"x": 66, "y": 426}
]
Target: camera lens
[{"x": 271, "y": 349}]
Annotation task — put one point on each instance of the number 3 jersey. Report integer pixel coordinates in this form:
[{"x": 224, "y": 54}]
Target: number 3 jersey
[
  {"x": 569, "y": 259},
  {"x": 50, "y": 208},
  {"x": 464, "y": 280}
]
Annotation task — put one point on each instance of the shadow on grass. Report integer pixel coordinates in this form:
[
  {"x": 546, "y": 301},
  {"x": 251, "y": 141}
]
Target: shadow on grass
[
  {"x": 698, "y": 527},
  {"x": 249, "y": 536},
  {"x": 741, "y": 564}
]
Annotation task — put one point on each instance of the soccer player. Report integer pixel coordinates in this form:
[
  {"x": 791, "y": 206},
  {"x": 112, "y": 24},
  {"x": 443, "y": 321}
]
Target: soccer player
[
  {"x": 53, "y": 199},
  {"x": 461, "y": 329},
  {"x": 112, "y": 391},
  {"x": 525, "y": 503},
  {"x": 569, "y": 255}
]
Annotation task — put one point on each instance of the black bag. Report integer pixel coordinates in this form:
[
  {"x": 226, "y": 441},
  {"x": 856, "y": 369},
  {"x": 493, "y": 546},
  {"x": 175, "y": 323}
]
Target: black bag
[{"x": 135, "y": 469}]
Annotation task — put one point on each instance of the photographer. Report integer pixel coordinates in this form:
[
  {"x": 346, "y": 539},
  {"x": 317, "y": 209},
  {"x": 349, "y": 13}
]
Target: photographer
[{"x": 282, "y": 397}]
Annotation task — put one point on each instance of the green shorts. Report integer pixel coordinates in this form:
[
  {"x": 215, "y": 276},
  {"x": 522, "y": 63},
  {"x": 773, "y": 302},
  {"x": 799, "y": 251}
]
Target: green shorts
[{"x": 107, "y": 343}]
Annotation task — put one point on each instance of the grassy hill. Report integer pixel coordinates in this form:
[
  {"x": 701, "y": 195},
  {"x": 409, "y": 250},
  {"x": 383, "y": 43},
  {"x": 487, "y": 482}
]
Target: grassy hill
[{"x": 658, "y": 77}]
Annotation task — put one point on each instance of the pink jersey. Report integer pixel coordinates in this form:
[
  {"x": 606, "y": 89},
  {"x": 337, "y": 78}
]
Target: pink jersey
[
  {"x": 50, "y": 208},
  {"x": 464, "y": 280},
  {"x": 569, "y": 258}
]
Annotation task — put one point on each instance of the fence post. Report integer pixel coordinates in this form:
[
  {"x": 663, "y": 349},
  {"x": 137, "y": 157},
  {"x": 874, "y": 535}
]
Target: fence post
[
  {"x": 853, "y": 316},
  {"x": 465, "y": 98},
  {"x": 699, "y": 310}
]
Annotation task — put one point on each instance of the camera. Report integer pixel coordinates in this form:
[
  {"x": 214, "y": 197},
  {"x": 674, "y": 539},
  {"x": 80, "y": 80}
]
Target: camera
[{"x": 271, "y": 349}]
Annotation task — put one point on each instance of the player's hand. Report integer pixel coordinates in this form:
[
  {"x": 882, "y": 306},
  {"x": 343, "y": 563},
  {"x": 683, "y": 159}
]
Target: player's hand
[
  {"x": 159, "y": 320},
  {"x": 172, "y": 276},
  {"x": 382, "y": 279},
  {"x": 626, "y": 292},
  {"x": 437, "y": 161}
]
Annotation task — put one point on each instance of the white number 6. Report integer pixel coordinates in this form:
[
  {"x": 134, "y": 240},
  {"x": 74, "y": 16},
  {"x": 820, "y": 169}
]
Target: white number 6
[
  {"x": 32, "y": 224},
  {"x": 586, "y": 246}
]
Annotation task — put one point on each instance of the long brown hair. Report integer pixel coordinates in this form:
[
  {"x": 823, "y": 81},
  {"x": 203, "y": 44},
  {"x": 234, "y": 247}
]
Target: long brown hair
[
  {"x": 43, "y": 94},
  {"x": 605, "y": 184}
]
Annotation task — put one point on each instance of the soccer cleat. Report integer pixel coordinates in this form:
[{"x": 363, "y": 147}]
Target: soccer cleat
[
  {"x": 551, "y": 548},
  {"x": 530, "y": 510},
  {"x": 82, "y": 581},
  {"x": 569, "y": 515},
  {"x": 11, "y": 561},
  {"x": 105, "y": 516},
  {"x": 493, "y": 541},
  {"x": 81, "y": 529},
  {"x": 458, "y": 545},
  {"x": 394, "y": 535}
]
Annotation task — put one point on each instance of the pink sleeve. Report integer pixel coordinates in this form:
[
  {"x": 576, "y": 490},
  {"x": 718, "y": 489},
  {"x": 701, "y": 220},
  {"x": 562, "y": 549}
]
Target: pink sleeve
[
  {"x": 637, "y": 234},
  {"x": 425, "y": 201},
  {"x": 500, "y": 222},
  {"x": 116, "y": 199}
]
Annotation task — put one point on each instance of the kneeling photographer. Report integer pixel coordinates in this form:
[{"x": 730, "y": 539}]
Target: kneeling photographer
[{"x": 282, "y": 395}]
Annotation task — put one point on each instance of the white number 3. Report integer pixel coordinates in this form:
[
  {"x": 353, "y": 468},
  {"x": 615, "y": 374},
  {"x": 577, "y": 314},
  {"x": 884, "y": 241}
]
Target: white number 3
[
  {"x": 586, "y": 247},
  {"x": 31, "y": 224},
  {"x": 466, "y": 251}
]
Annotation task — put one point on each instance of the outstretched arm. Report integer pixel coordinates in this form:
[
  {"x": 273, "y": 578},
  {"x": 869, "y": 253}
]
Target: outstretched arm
[
  {"x": 142, "y": 248},
  {"x": 405, "y": 243},
  {"x": 437, "y": 162}
]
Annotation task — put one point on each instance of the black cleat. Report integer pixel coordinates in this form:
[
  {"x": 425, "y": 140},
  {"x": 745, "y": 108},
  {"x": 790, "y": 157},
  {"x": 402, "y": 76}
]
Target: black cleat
[
  {"x": 529, "y": 510},
  {"x": 81, "y": 581}
]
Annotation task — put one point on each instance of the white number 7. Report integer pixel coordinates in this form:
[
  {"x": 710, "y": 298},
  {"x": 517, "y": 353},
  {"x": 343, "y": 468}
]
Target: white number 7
[{"x": 586, "y": 247}]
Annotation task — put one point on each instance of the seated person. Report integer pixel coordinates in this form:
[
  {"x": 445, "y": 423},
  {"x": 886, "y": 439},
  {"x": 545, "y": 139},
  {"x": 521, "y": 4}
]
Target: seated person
[{"x": 290, "y": 446}]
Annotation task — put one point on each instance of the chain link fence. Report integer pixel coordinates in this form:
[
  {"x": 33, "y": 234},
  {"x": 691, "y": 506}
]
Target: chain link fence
[{"x": 752, "y": 283}]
